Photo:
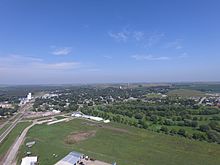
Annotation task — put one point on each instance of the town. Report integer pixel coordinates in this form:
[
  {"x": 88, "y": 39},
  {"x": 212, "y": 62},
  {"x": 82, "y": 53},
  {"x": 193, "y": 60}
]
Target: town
[{"x": 167, "y": 109}]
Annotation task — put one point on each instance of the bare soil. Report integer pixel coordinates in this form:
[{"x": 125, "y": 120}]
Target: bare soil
[{"x": 76, "y": 137}]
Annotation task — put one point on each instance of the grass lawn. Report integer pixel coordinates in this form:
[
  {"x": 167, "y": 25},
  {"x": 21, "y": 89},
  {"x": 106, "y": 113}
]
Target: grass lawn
[
  {"x": 59, "y": 117},
  {"x": 11, "y": 137},
  {"x": 4, "y": 128},
  {"x": 116, "y": 142}
]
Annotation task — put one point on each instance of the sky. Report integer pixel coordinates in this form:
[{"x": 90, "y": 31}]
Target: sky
[{"x": 109, "y": 41}]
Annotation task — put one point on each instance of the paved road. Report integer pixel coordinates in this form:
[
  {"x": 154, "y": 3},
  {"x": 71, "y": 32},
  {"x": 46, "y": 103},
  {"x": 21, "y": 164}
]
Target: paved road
[
  {"x": 14, "y": 123},
  {"x": 13, "y": 151}
]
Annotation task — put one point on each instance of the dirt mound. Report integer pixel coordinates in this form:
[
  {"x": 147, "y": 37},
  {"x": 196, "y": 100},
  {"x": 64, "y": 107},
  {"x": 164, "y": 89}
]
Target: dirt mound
[{"x": 79, "y": 136}]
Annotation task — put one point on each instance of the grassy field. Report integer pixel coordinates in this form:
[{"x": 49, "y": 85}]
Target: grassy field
[
  {"x": 11, "y": 137},
  {"x": 204, "y": 87},
  {"x": 59, "y": 117},
  {"x": 186, "y": 93},
  {"x": 123, "y": 144},
  {"x": 4, "y": 128}
]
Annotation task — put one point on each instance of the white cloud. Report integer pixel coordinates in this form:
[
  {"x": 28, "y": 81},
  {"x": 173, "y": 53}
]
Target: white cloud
[
  {"x": 142, "y": 38},
  {"x": 183, "y": 55},
  {"x": 154, "y": 39},
  {"x": 57, "y": 66},
  {"x": 175, "y": 44},
  {"x": 127, "y": 35},
  {"x": 149, "y": 57},
  {"x": 62, "y": 51},
  {"x": 120, "y": 36},
  {"x": 17, "y": 62},
  {"x": 138, "y": 35}
]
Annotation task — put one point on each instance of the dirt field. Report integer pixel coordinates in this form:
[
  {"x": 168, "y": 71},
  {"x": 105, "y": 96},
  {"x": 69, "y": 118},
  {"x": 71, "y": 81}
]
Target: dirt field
[
  {"x": 79, "y": 136},
  {"x": 96, "y": 162}
]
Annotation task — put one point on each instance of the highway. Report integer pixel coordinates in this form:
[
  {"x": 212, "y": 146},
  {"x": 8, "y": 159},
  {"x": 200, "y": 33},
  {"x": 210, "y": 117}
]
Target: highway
[
  {"x": 11, "y": 156},
  {"x": 18, "y": 117},
  {"x": 12, "y": 153}
]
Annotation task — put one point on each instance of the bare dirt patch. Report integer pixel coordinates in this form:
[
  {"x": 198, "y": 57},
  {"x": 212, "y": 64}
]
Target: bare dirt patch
[{"x": 79, "y": 136}]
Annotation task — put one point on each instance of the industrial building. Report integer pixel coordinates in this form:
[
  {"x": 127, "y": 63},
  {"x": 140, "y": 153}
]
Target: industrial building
[
  {"x": 71, "y": 159},
  {"x": 80, "y": 114},
  {"x": 31, "y": 160}
]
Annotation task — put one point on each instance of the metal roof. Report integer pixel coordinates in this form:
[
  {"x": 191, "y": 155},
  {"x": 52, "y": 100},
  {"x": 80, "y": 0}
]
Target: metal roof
[
  {"x": 71, "y": 158},
  {"x": 29, "y": 160}
]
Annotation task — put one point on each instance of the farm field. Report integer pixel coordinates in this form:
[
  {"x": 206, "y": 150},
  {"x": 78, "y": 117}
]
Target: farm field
[
  {"x": 117, "y": 142},
  {"x": 11, "y": 137},
  {"x": 204, "y": 87},
  {"x": 186, "y": 93}
]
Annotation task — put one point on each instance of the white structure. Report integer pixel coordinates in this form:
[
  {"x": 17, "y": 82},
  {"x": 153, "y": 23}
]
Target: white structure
[
  {"x": 58, "y": 121},
  {"x": 95, "y": 118},
  {"x": 56, "y": 111},
  {"x": 80, "y": 114},
  {"x": 29, "y": 96},
  {"x": 6, "y": 105},
  {"x": 77, "y": 114},
  {"x": 32, "y": 160},
  {"x": 106, "y": 121},
  {"x": 72, "y": 158}
]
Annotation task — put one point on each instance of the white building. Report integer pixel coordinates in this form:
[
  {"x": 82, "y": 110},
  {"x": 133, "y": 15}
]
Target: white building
[
  {"x": 72, "y": 158},
  {"x": 106, "y": 121},
  {"x": 29, "y": 96},
  {"x": 32, "y": 160},
  {"x": 80, "y": 114},
  {"x": 56, "y": 111}
]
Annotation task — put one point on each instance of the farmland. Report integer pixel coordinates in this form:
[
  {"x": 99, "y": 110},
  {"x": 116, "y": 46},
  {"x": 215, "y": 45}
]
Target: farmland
[
  {"x": 120, "y": 143},
  {"x": 186, "y": 93}
]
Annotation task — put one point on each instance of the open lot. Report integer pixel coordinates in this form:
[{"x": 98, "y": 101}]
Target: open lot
[{"x": 120, "y": 143}]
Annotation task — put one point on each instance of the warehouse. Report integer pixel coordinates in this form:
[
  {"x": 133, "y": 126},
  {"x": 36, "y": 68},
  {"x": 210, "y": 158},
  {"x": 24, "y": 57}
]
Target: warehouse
[
  {"x": 32, "y": 160},
  {"x": 71, "y": 159}
]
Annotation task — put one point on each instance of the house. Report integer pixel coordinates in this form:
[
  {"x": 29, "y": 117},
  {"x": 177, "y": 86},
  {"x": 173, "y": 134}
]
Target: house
[{"x": 71, "y": 159}]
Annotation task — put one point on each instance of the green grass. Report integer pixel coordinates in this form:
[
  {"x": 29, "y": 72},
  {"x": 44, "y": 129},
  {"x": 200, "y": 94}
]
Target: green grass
[
  {"x": 59, "y": 117},
  {"x": 4, "y": 128},
  {"x": 153, "y": 95},
  {"x": 207, "y": 87},
  {"x": 186, "y": 93},
  {"x": 189, "y": 130},
  {"x": 134, "y": 147},
  {"x": 12, "y": 136}
]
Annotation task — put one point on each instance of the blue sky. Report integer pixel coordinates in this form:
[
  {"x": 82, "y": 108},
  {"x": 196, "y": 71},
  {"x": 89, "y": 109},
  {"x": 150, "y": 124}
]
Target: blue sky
[{"x": 84, "y": 41}]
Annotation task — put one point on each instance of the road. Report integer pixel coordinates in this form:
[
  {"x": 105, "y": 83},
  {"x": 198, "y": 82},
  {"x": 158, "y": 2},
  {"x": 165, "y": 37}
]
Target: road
[
  {"x": 11, "y": 156},
  {"x": 14, "y": 123},
  {"x": 12, "y": 153}
]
